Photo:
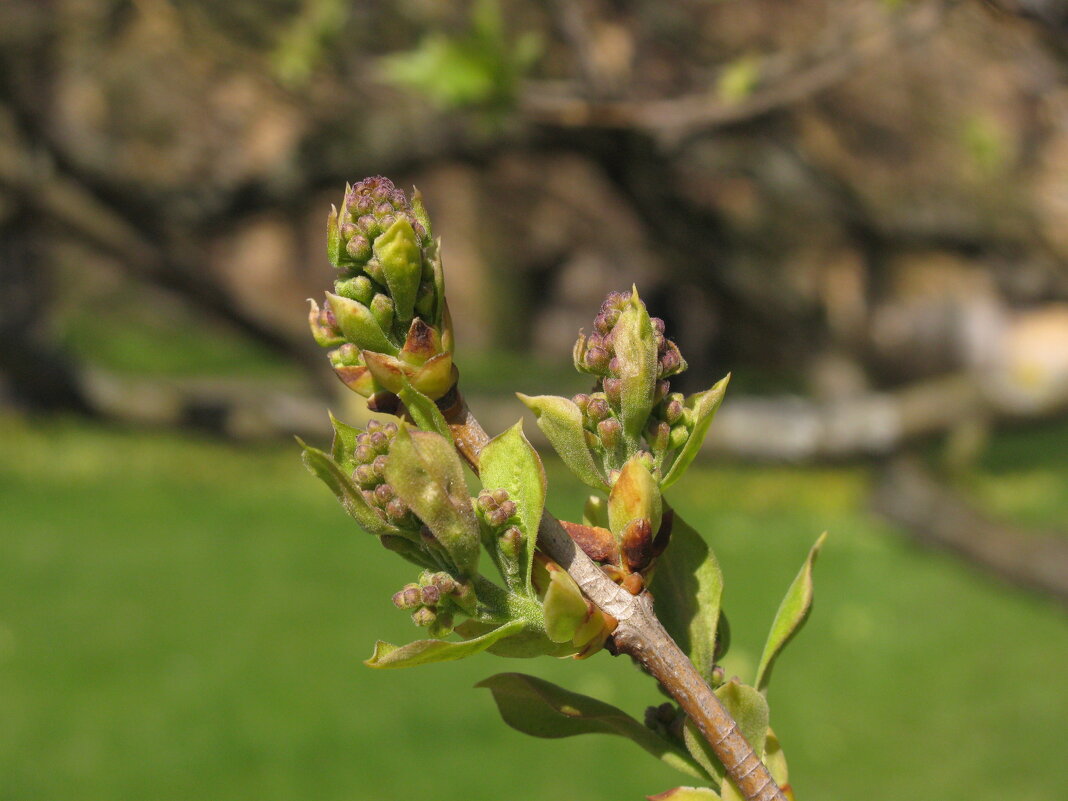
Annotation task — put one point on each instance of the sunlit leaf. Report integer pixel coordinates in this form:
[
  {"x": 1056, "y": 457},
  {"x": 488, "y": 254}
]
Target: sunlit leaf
[
  {"x": 542, "y": 709},
  {"x": 425, "y": 652},
  {"x": 792, "y": 614},
  {"x": 703, "y": 406},
  {"x": 561, "y": 422}
]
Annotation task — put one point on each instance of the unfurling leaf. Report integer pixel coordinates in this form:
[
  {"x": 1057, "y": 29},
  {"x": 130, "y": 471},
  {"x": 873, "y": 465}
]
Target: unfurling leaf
[
  {"x": 702, "y": 406},
  {"x": 542, "y": 709},
  {"x": 397, "y": 251},
  {"x": 327, "y": 470},
  {"x": 344, "y": 443},
  {"x": 425, "y": 652},
  {"x": 687, "y": 588},
  {"x": 634, "y": 496},
  {"x": 561, "y": 422},
  {"x": 509, "y": 462},
  {"x": 426, "y": 474},
  {"x": 749, "y": 710},
  {"x": 792, "y": 614},
  {"x": 424, "y": 412},
  {"x": 635, "y": 350}
]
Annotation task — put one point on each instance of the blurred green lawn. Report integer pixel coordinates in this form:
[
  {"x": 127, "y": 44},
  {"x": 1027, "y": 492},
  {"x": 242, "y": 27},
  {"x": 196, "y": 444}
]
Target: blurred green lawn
[{"x": 185, "y": 619}]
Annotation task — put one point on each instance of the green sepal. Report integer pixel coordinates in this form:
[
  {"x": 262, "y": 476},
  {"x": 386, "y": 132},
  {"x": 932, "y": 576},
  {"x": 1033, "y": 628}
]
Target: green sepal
[
  {"x": 327, "y": 470},
  {"x": 561, "y": 422},
  {"x": 686, "y": 794},
  {"x": 426, "y": 474},
  {"x": 335, "y": 249},
  {"x": 359, "y": 325},
  {"x": 791, "y": 616},
  {"x": 703, "y": 406},
  {"x": 397, "y": 251},
  {"x": 425, "y": 652},
  {"x": 635, "y": 495},
  {"x": 419, "y": 210},
  {"x": 749, "y": 709},
  {"x": 635, "y": 348},
  {"x": 687, "y": 589},
  {"x": 424, "y": 412},
  {"x": 540, "y": 708},
  {"x": 344, "y": 443},
  {"x": 509, "y": 462}
]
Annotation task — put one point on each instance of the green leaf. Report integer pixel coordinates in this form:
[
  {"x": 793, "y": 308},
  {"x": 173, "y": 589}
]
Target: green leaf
[
  {"x": 561, "y": 422},
  {"x": 793, "y": 611},
  {"x": 424, "y": 412},
  {"x": 775, "y": 759},
  {"x": 425, "y": 652},
  {"x": 687, "y": 589},
  {"x": 509, "y": 462},
  {"x": 686, "y": 794},
  {"x": 635, "y": 347},
  {"x": 426, "y": 474},
  {"x": 703, "y": 406},
  {"x": 344, "y": 443},
  {"x": 542, "y": 709},
  {"x": 359, "y": 325},
  {"x": 749, "y": 709},
  {"x": 397, "y": 250},
  {"x": 322, "y": 466},
  {"x": 564, "y": 606}
]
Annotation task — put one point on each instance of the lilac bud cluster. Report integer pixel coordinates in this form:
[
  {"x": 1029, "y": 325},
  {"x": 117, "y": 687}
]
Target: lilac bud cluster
[
  {"x": 433, "y": 600},
  {"x": 370, "y": 456},
  {"x": 497, "y": 510},
  {"x": 600, "y": 421},
  {"x": 370, "y": 207},
  {"x": 670, "y": 424},
  {"x": 666, "y": 720}
]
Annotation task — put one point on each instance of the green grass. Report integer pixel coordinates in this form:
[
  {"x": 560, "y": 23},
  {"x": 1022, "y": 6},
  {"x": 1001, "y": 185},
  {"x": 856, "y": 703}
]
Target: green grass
[{"x": 185, "y": 619}]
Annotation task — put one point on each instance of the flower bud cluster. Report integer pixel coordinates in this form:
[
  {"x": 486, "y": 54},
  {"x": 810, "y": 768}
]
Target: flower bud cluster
[
  {"x": 669, "y": 424},
  {"x": 599, "y": 420},
  {"x": 497, "y": 511},
  {"x": 434, "y": 600},
  {"x": 370, "y": 456},
  {"x": 370, "y": 208}
]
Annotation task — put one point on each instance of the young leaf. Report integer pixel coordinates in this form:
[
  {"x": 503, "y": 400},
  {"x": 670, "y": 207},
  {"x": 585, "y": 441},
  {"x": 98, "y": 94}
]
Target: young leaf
[
  {"x": 424, "y": 412},
  {"x": 635, "y": 495},
  {"x": 775, "y": 759},
  {"x": 426, "y": 474},
  {"x": 359, "y": 326},
  {"x": 686, "y": 794},
  {"x": 749, "y": 710},
  {"x": 425, "y": 652},
  {"x": 635, "y": 347},
  {"x": 793, "y": 611},
  {"x": 509, "y": 462},
  {"x": 542, "y": 709},
  {"x": 687, "y": 588},
  {"x": 344, "y": 443},
  {"x": 561, "y": 422},
  {"x": 322, "y": 466},
  {"x": 703, "y": 406}
]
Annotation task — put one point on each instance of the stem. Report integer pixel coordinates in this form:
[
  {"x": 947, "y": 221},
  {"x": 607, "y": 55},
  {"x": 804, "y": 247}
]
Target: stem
[{"x": 639, "y": 634}]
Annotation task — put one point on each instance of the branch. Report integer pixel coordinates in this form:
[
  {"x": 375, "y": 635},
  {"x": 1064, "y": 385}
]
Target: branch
[
  {"x": 675, "y": 120},
  {"x": 639, "y": 634}
]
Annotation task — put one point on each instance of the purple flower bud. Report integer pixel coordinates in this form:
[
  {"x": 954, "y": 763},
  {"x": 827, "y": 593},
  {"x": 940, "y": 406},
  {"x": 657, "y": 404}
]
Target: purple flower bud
[
  {"x": 613, "y": 389},
  {"x": 368, "y": 224},
  {"x": 486, "y": 502},
  {"x": 601, "y": 324},
  {"x": 379, "y": 441},
  {"x": 663, "y": 387},
  {"x": 581, "y": 400},
  {"x": 670, "y": 362},
  {"x": 384, "y": 493},
  {"x": 658, "y": 325},
  {"x": 444, "y": 582},
  {"x": 364, "y": 454},
  {"x": 374, "y": 425},
  {"x": 382, "y": 209},
  {"x": 499, "y": 516},
  {"x": 609, "y": 432},
  {"x": 424, "y": 617},
  {"x": 396, "y": 509},
  {"x": 674, "y": 408},
  {"x": 511, "y": 542},
  {"x": 407, "y": 598},
  {"x": 597, "y": 359},
  {"x": 389, "y": 429},
  {"x": 379, "y": 466},
  {"x": 365, "y": 477},
  {"x": 598, "y": 409},
  {"x": 358, "y": 247},
  {"x": 430, "y": 595},
  {"x": 658, "y": 435},
  {"x": 508, "y": 509},
  {"x": 500, "y": 495}
]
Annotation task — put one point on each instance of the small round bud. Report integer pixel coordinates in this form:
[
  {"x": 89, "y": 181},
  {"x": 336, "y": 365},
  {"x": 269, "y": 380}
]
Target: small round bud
[
  {"x": 364, "y": 476},
  {"x": 601, "y": 324},
  {"x": 511, "y": 541},
  {"x": 364, "y": 454},
  {"x": 424, "y": 616},
  {"x": 613, "y": 390},
  {"x": 396, "y": 509},
  {"x": 674, "y": 408},
  {"x": 389, "y": 429},
  {"x": 384, "y": 493},
  {"x": 719, "y": 675},
  {"x": 663, "y": 387},
  {"x": 486, "y": 502},
  {"x": 597, "y": 359},
  {"x": 379, "y": 441},
  {"x": 500, "y": 495},
  {"x": 430, "y": 594},
  {"x": 374, "y": 425},
  {"x": 408, "y": 598},
  {"x": 508, "y": 509},
  {"x": 614, "y": 366},
  {"x": 444, "y": 582},
  {"x": 582, "y": 400},
  {"x": 598, "y": 409},
  {"x": 669, "y": 362},
  {"x": 658, "y": 325},
  {"x": 609, "y": 432},
  {"x": 379, "y": 466}
]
